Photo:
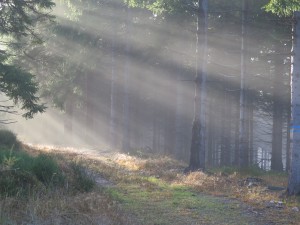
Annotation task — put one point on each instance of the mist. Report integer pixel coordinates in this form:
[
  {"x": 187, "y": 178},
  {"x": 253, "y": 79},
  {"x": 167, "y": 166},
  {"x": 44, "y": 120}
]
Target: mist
[{"x": 123, "y": 78}]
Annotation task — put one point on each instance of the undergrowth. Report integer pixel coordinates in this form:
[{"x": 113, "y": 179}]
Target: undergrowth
[{"x": 154, "y": 190}]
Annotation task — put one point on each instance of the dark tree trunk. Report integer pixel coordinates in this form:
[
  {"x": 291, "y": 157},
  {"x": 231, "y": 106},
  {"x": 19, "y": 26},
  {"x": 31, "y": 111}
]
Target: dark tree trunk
[
  {"x": 278, "y": 93},
  {"x": 126, "y": 82},
  {"x": 288, "y": 137},
  {"x": 226, "y": 129},
  {"x": 251, "y": 114},
  {"x": 197, "y": 156},
  {"x": 243, "y": 124}
]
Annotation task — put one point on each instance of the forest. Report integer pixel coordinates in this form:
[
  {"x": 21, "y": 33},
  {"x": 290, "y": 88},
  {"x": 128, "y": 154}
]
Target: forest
[{"x": 211, "y": 84}]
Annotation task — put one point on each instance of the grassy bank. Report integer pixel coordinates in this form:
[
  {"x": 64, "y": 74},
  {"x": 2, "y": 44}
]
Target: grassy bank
[{"x": 147, "y": 190}]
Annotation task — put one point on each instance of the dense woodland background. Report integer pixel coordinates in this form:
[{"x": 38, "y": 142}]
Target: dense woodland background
[{"x": 123, "y": 78}]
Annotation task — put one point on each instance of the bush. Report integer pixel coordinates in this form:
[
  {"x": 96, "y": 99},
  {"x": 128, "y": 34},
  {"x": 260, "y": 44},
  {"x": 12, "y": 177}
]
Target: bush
[
  {"x": 21, "y": 173},
  {"x": 83, "y": 182},
  {"x": 46, "y": 169},
  {"x": 9, "y": 140},
  {"x": 15, "y": 178},
  {"x": 17, "y": 183}
]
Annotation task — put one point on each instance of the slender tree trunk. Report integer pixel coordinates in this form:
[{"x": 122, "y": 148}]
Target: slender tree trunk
[
  {"x": 294, "y": 176},
  {"x": 178, "y": 118},
  {"x": 226, "y": 129},
  {"x": 276, "y": 158},
  {"x": 126, "y": 77},
  {"x": 288, "y": 137},
  {"x": 211, "y": 130},
  {"x": 288, "y": 130},
  {"x": 236, "y": 130},
  {"x": 197, "y": 156},
  {"x": 243, "y": 131},
  {"x": 112, "y": 124},
  {"x": 252, "y": 159}
]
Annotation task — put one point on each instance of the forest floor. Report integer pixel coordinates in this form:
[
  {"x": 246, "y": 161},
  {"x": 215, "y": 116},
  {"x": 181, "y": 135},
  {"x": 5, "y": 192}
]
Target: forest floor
[{"x": 152, "y": 189}]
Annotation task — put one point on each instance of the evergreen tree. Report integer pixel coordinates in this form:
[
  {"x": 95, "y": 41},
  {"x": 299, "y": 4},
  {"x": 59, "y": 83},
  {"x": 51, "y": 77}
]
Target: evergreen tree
[{"x": 17, "y": 30}]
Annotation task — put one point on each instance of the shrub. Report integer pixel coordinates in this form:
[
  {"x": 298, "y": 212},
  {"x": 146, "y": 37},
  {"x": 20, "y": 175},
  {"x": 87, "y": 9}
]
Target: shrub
[
  {"x": 17, "y": 183},
  {"x": 9, "y": 140},
  {"x": 83, "y": 182},
  {"x": 46, "y": 169}
]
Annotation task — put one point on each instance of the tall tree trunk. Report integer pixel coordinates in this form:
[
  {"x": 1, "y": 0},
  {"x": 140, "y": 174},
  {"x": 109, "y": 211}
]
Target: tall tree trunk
[
  {"x": 197, "y": 156},
  {"x": 276, "y": 158},
  {"x": 288, "y": 137},
  {"x": 112, "y": 124},
  {"x": 288, "y": 130},
  {"x": 226, "y": 129},
  {"x": 252, "y": 159},
  {"x": 178, "y": 118},
  {"x": 294, "y": 176},
  {"x": 211, "y": 129},
  {"x": 243, "y": 131},
  {"x": 126, "y": 77}
]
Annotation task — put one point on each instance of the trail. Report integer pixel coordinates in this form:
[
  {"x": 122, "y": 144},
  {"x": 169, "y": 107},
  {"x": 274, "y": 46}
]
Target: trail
[{"x": 147, "y": 199}]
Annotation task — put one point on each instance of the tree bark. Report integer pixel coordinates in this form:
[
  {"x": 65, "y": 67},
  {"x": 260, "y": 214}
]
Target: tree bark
[
  {"x": 126, "y": 77},
  {"x": 294, "y": 176},
  {"x": 243, "y": 131},
  {"x": 226, "y": 129},
  {"x": 112, "y": 124},
  {"x": 276, "y": 159},
  {"x": 197, "y": 156}
]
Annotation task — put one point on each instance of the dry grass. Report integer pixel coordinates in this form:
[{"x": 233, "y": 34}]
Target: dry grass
[
  {"x": 55, "y": 208},
  {"x": 131, "y": 172}
]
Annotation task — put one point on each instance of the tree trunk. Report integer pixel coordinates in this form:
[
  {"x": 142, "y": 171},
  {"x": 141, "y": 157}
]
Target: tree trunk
[
  {"x": 197, "y": 156},
  {"x": 178, "y": 118},
  {"x": 125, "y": 129},
  {"x": 288, "y": 139},
  {"x": 226, "y": 129},
  {"x": 252, "y": 159},
  {"x": 276, "y": 159},
  {"x": 243, "y": 131},
  {"x": 288, "y": 130},
  {"x": 294, "y": 176},
  {"x": 112, "y": 124}
]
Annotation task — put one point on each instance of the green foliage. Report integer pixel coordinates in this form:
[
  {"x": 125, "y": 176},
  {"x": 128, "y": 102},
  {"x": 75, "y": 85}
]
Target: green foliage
[
  {"x": 17, "y": 28},
  {"x": 46, "y": 169},
  {"x": 83, "y": 182},
  {"x": 21, "y": 173},
  {"x": 159, "y": 7},
  {"x": 21, "y": 16},
  {"x": 20, "y": 87},
  {"x": 283, "y": 7},
  {"x": 14, "y": 176},
  {"x": 8, "y": 140}
]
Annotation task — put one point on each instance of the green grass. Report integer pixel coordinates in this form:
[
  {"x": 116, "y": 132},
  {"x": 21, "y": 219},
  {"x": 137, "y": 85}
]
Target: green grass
[
  {"x": 82, "y": 181},
  {"x": 153, "y": 201},
  {"x": 22, "y": 174}
]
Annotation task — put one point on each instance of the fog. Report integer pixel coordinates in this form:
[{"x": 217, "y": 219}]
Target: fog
[{"x": 119, "y": 78}]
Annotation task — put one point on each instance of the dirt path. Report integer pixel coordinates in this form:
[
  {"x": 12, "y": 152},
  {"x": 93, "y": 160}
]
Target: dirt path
[{"x": 147, "y": 199}]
